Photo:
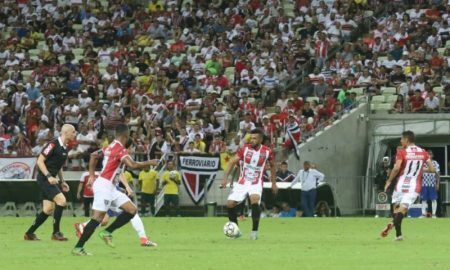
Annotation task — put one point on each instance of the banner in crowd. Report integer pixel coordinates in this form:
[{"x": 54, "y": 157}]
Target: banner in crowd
[
  {"x": 198, "y": 173},
  {"x": 17, "y": 168}
]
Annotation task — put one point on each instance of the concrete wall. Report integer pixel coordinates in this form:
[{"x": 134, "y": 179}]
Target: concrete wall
[{"x": 340, "y": 152}]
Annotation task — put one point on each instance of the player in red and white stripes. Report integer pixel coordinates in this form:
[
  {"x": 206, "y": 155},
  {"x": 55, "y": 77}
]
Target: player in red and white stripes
[{"x": 410, "y": 160}]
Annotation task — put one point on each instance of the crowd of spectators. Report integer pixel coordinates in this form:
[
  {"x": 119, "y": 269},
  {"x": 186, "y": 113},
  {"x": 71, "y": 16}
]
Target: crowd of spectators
[{"x": 196, "y": 76}]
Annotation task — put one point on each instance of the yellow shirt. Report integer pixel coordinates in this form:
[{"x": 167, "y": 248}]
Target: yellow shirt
[
  {"x": 172, "y": 185},
  {"x": 128, "y": 177},
  {"x": 200, "y": 146},
  {"x": 148, "y": 181}
]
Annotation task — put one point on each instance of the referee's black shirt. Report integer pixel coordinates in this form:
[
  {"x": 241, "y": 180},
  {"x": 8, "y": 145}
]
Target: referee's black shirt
[{"x": 55, "y": 156}]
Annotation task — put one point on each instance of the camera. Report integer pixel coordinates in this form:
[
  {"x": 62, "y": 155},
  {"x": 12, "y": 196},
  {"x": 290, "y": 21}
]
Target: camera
[{"x": 386, "y": 159}]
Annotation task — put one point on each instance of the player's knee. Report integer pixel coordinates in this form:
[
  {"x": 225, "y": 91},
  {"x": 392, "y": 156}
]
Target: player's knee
[
  {"x": 48, "y": 210},
  {"x": 132, "y": 210},
  {"x": 231, "y": 204}
]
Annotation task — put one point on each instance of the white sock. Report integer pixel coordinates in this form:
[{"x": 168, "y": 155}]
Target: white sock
[
  {"x": 424, "y": 207},
  {"x": 138, "y": 226},
  {"x": 434, "y": 207}
]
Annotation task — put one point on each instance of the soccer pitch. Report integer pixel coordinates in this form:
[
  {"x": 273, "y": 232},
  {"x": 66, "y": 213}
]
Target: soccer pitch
[{"x": 199, "y": 243}]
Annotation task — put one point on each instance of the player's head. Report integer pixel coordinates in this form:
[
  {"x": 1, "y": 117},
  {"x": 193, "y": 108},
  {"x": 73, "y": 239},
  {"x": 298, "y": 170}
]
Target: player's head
[
  {"x": 284, "y": 166},
  {"x": 68, "y": 132},
  {"x": 407, "y": 138},
  {"x": 122, "y": 132},
  {"x": 256, "y": 137},
  {"x": 430, "y": 153}
]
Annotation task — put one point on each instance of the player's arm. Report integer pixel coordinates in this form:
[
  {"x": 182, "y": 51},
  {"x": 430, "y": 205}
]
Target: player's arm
[
  {"x": 130, "y": 163},
  {"x": 125, "y": 183},
  {"x": 43, "y": 168},
  {"x": 319, "y": 176},
  {"x": 296, "y": 179},
  {"x": 231, "y": 165},
  {"x": 94, "y": 157},
  {"x": 393, "y": 174},
  {"x": 431, "y": 168},
  {"x": 79, "y": 189}
]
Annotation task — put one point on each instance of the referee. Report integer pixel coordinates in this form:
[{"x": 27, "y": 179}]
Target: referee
[{"x": 50, "y": 162}]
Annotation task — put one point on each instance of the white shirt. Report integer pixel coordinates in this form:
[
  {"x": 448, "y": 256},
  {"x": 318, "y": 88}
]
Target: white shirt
[
  {"x": 431, "y": 103},
  {"x": 309, "y": 179}
]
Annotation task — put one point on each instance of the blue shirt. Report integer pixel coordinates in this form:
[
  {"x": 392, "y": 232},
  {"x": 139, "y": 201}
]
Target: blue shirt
[
  {"x": 291, "y": 213},
  {"x": 33, "y": 93}
]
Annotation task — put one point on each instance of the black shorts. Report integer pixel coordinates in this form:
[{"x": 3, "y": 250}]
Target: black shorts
[
  {"x": 48, "y": 191},
  {"x": 171, "y": 199}
]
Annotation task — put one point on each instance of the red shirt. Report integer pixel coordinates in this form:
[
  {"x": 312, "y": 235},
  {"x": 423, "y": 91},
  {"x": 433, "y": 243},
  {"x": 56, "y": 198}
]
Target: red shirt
[
  {"x": 253, "y": 162},
  {"x": 416, "y": 102},
  {"x": 87, "y": 190},
  {"x": 411, "y": 171},
  {"x": 279, "y": 119},
  {"x": 113, "y": 156}
]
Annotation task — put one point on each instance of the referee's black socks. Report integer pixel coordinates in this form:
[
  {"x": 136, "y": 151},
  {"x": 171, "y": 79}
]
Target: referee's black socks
[
  {"x": 41, "y": 218},
  {"x": 57, "y": 218},
  {"x": 87, "y": 232},
  {"x": 256, "y": 214},
  {"x": 121, "y": 220}
]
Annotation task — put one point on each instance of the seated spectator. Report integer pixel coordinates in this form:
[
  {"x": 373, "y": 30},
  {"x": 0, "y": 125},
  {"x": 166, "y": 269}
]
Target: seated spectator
[
  {"x": 322, "y": 209},
  {"x": 199, "y": 144},
  {"x": 287, "y": 211},
  {"x": 416, "y": 102},
  {"x": 431, "y": 103}
]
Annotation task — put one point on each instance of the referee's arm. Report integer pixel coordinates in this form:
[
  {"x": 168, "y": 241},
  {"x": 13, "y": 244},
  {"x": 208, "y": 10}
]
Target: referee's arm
[{"x": 43, "y": 168}]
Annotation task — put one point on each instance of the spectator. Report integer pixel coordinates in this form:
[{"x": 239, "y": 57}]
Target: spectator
[
  {"x": 416, "y": 102},
  {"x": 309, "y": 178},
  {"x": 287, "y": 211},
  {"x": 171, "y": 180},
  {"x": 149, "y": 183},
  {"x": 322, "y": 209},
  {"x": 431, "y": 103}
]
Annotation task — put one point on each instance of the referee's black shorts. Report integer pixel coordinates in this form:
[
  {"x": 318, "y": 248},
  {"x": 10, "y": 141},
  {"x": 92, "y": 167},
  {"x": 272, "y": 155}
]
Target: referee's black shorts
[{"x": 48, "y": 191}]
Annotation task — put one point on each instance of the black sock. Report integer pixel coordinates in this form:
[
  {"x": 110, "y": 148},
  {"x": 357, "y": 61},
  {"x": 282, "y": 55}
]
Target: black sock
[
  {"x": 232, "y": 216},
  {"x": 398, "y": 217},
  {"x": 256, "y": 214},
  {"x": 87, "y": 232},
  {"x": 57, "y": 217},
  {"x": 121, "y": 220},
  {"x": 41, "y": 218}
]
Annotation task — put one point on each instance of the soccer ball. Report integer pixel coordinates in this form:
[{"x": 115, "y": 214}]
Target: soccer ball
[
  {"x": 231, "y": 229},
  {"x": 173, "y": 174}
]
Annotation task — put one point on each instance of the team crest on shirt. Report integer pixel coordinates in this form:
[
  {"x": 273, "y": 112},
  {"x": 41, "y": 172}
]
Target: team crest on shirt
[{"x": 198, "y": 174}]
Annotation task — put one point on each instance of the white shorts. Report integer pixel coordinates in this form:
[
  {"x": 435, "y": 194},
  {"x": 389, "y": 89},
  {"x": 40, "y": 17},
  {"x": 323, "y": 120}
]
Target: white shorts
[
  {"x": 406, "y": 199},
  {"x": 240, "y": 191},
  {"x": 106, "y": 195}
]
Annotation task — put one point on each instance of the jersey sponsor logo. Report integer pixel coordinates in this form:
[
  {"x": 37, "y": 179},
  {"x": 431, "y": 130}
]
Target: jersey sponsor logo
[{"x": 48, "y": 149}]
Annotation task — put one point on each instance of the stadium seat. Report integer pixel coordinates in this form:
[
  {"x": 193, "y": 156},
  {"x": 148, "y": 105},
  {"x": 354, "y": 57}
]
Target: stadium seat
[
  {"x": 77, "y": 27},
  {"x": 28, "y": 210},
  {"x": 102, "y": 65},
  {"x": 9, "y": 209},
  {"x": 270, "y": 110},
  {"x": 378, "y": 99},
  {"x": 359, "y": 91},
  {"x": 26, "y": 74},
  {"x": 441, "y": 51},
  {"x": 78, "y": 51},
  {"x": 388, "y": 91},
  {"x": 195, "y": 48},
  {"x": 382, "y": 107},
  {"x": 33, "y": 52},
  {"x": 391, "y": 99},
  {"x": 311, "y": 99},
  {"x": 438, "y": 90},
  {"x": 173, "y": 86},
  {"x": 225, "y": 93},
  {"x": 447, "y": 44},
  {"x": 229, "y": 70}
]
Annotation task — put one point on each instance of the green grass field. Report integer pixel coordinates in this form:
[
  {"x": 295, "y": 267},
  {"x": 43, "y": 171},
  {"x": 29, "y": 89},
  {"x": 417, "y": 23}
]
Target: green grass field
[{"x": 198, "y": 243}]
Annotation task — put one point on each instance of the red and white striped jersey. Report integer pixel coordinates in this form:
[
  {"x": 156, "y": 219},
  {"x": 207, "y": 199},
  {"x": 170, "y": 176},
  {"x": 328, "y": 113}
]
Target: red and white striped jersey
[
  {"x": 113, "y": 156},
  {"x": 253, "y": 162},
  {"x": 413, "y": 158}
]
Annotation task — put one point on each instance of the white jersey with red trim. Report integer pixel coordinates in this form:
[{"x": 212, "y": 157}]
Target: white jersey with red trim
[
  {"x": 253, "y": 162},
  {"x": 113, "y": 156},
  {"x": 411, "y": 171}
]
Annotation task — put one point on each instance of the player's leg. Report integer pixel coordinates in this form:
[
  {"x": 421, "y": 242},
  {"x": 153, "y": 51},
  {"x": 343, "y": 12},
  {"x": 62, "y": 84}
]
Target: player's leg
[
  {"x": 97, "y": 217},
  {"x": 433, "y": 198},
  {"x": 129, "y": 211},
  {"x": 255, "y": 200},
  {"x": 47, "y": 210},
  {"x": 425, "y": 197},
  {"x": 433, "y": 208},
  {"x": 304, "y": 203},
  {"x": 60, "y": 203},
  {"x": 237, "y": 195},
  {"x": 151, "y": 201},
  {"x": 167, "y": 205},
  {"x": 87, "y": 206},
  {"x": 144, "y": 201},
  {"x": 138, "y": 226},
  {"x": 407, "y": 200},
  {"x": 396, "y": 199}
]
